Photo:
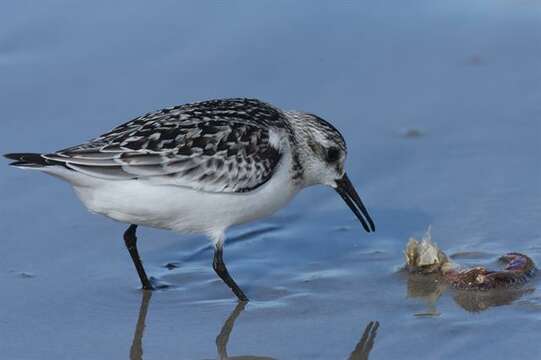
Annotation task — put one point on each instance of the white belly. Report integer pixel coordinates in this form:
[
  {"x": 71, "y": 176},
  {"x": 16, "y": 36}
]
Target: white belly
[{"x": 183, "y": 209}]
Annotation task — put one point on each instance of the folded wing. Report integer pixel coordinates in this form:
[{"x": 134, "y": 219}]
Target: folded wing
[{"x": 215, "y": 146}]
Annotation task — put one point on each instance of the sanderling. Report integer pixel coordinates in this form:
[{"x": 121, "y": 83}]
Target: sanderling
[{"x": 202, "y": 167}]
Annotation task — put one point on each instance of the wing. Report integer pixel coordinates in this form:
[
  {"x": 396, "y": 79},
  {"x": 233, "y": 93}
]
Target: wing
[{"x": 216, "y": 146}]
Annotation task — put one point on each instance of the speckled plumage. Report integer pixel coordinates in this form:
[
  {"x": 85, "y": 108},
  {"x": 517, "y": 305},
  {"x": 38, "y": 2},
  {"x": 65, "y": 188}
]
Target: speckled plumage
[{"x": 216, "y": 146}]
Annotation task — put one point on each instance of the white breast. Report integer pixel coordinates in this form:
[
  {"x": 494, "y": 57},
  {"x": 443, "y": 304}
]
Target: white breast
[{"x": 182, "y": 209}]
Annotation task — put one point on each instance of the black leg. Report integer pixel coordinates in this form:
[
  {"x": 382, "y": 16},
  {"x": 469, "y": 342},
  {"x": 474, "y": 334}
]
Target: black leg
[
  {"x": 219, "y": 266},
  {"x": 131, "y": 243}
]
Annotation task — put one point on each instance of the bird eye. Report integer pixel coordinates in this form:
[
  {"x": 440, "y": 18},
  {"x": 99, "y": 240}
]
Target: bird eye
[{"x": 333, "y": 154}]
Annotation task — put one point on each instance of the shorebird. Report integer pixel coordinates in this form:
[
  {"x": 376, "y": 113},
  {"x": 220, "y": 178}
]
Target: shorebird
[{"x": 201, "y": 168}]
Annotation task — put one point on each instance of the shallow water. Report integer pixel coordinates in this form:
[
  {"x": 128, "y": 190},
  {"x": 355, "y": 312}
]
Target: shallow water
[{"x": 439, "y": 103}]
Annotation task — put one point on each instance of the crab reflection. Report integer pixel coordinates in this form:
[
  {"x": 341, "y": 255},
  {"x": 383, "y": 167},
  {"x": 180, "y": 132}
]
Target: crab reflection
[
  {"x": 360, "y": 352},
  {"x": 431, "y": 287}
]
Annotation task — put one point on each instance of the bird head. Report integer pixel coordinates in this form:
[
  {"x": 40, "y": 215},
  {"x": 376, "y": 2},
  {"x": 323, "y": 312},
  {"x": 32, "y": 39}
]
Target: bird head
[{"x": 323, "y": 156}]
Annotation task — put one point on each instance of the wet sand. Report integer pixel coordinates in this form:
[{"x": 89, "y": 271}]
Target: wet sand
[{"x": 439, "y": 104}]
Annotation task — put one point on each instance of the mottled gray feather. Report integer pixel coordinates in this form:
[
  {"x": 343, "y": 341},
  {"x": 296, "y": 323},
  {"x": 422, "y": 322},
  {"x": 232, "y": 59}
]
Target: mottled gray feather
[{"x": 216, "y": 146}]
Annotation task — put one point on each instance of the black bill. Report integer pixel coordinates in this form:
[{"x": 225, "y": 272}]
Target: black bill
[{"x": 346, "y": 190}]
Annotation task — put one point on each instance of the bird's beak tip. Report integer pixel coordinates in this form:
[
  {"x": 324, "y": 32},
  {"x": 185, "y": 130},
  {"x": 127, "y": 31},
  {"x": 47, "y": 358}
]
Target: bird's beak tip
[{"x": 346, "y": 190}]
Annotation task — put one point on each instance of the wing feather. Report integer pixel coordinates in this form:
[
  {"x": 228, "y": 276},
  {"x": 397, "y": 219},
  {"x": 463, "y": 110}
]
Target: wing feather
[
  {"x": 216, "y": 146},
  {"x": 101, "y": 172}
]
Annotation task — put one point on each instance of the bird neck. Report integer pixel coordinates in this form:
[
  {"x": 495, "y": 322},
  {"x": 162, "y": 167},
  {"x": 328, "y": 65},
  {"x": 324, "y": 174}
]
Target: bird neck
[{"x": 305, "y": 169}]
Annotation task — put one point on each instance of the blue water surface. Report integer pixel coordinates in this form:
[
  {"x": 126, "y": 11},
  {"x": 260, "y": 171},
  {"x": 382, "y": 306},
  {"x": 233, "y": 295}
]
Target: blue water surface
[{"x": 439, "y": 101}]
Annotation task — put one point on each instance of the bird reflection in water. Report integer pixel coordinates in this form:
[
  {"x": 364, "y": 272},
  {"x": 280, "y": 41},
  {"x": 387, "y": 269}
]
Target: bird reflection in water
[
  {"x": 361, "y": 351},
  {"x": 431, "y": 287},
  {"x": 366, "y": 343},
  {"x": 223, "y": 338},
  {"x": 136, "y": 350}
]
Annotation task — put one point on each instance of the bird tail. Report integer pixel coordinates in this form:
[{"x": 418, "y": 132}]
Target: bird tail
[{"x": 29, "y": 160}]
